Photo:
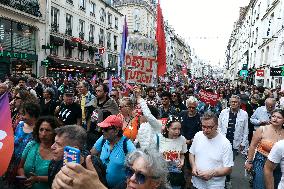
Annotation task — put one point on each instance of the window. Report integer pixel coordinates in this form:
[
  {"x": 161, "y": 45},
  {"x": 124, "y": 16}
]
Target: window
[
  {"x": 54, "y": 19},
  {"x": 81, "y": 55},
  {"x": 101, "y": 37},
  {"x": 93, "y": 9},
  {"x": 116, "y": 23},
  {"x": 108, "y": 40},
  {"x": 81, "y": 29},
  {"x": 54, "y": 50},
  {"x": 102, "y": 15},
  {"x": 69, "y": 20},
  {"x": 115, "y": 42},
  {"x": 83, "y": 4},
  {"x": 109, "y": 18},
  {"x": 256, "y": 35},
  {"x": 68, "y": 52},
  {"x": 91, "y": 33},
  {"x": 266, "y": 56},
  {"x": 136, "y": 20},
  {"x": 110, "y": 61}
]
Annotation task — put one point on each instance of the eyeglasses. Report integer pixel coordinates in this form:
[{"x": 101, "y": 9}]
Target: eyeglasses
[
  {"x": 108, "y": 128},
  {"x": 140, "y": 178},
  {"x": 123, "y": 107},
  {"x": 207, "y": 127}
]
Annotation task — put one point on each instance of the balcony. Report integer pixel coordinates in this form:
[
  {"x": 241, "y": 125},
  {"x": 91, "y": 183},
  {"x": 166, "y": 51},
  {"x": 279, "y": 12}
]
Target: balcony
[
  {"x": 55, "y": 27},
  {"x": 27, "y": 6}
]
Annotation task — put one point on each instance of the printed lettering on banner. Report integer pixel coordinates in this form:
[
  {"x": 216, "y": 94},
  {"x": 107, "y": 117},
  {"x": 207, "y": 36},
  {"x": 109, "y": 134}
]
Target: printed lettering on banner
[
  {"x": 208, "y": 97},
  {"x": 140, "y": 60}
]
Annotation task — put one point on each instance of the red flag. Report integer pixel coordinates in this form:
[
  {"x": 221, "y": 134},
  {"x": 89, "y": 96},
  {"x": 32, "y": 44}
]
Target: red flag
[
  {"x": 161, "y": 40},
  {"x": 6, "y": 134}
]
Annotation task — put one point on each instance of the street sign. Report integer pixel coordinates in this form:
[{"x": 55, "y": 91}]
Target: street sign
[{"x": 244, "y": 73}]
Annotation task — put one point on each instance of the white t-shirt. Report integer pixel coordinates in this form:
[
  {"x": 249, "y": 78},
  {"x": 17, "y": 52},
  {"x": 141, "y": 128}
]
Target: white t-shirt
[
  {"x": 276, "y": 155},
  {"x": 211, "y": 154},
  {"x": 171, "y": 150}
]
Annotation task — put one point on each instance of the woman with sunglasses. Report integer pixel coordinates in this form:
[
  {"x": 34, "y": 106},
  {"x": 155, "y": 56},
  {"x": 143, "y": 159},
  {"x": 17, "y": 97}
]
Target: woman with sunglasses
[
  {"x": 130, "y": 119},
  {"x": 176, "y": 102},
  {"x": 145, "y": 169}
]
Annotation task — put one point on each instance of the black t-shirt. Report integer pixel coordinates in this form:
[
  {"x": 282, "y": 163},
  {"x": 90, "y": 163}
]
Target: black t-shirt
[
  {"x": 69, "y": 114},
  {"x": 190, "y": 125},
  {"x": 47, "y": 108}
]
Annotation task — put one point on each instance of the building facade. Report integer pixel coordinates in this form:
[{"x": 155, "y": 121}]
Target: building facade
[
  {"x": 22, "y": 32},
  {"x": 83, "y": 37},
  {"x": 259, "y": 35}
]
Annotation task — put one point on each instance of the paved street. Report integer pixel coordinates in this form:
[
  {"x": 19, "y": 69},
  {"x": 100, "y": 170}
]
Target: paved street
[{"x": 239, "y": 181}]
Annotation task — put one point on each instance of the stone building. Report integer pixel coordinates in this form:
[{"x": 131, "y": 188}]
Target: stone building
[{"x": 22, "y": 32}]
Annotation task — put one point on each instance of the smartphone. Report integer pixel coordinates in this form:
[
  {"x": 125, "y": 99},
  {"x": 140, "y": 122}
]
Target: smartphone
[
  {"x": 21, "y": 178},
  {"x": 71, "y": 154}
]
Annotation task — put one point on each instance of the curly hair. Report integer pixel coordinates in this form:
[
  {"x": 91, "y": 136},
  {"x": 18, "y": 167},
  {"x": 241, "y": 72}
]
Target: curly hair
[
  {"x": 155, "y": 164},
  {"x": 53, "y": 122}
]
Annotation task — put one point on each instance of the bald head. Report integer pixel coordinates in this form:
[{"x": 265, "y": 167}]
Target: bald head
[
  {"x": 3, "y": 88},
  {"x": 270, "y": 104}
]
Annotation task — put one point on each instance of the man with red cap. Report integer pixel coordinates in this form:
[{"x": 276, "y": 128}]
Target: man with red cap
[{"x": 113, "y": 148}]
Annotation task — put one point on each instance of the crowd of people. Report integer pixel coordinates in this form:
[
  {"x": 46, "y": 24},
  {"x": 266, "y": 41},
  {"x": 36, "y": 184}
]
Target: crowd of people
[{"x": 141, "y": 137}]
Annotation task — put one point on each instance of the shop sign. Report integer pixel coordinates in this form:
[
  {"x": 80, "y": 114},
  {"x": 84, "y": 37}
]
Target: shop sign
[
  {"x": 97, "y": 57},
  {"x": 244, "y": 73},
  {"x": 260, "y": 73},
  {"x": 277, "y": 71},
  {"x": 8, "y": 54},
  {"x": 2, "y": 32}
]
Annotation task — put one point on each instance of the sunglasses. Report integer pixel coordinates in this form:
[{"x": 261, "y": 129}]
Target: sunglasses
[
  {"x": 140, "y": 178},
  {"x": 108, "y": 128},
  {"x": 17, "y": 97}
]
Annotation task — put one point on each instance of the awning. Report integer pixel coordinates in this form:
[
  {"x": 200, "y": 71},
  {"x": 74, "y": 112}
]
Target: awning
[
  {"x": 57, "y": 41},
  {"x": 82, "y": 47},
  {"x": 70, "y": 44},
  {"x": 61, "y": 62}
]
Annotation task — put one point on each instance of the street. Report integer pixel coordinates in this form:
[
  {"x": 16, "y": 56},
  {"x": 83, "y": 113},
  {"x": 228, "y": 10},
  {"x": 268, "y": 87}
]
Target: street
[{"x": 239, "y": 181}]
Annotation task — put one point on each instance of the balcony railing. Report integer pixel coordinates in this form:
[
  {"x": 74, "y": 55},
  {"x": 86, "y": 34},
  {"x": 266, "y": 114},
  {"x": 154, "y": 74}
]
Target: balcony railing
[
  {"x": 68, "y": 32},
  {"x": 27, "y": 6},
  {"x": 54, "y": 27}
]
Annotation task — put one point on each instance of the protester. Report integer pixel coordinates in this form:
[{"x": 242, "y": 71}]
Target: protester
[
  {"x": 152, "y": 98},
  {"x": 262, "y": 115},
  {"x": 69, "y": 112},
  {"x": 47, "y": 104},
  {"x": 149, "y": 168},
  {"x": 37, "y": 154},
  {"x": 262, "y": 142},
  {"x": 87, "y": 104},
  {"x": 23, "y": 134},
  {"x": 275, "y": 158},
  {"x": 113, "y": 148},
  {"x": 177, "y": 102},
  {"x": 211, "y": 155},
  {"x": 166, "y": 109},
  {"x": 74, "y": 136}
]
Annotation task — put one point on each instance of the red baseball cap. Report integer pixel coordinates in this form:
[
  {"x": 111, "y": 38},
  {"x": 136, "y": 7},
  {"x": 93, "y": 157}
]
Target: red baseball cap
[{"x": 112, "y": 120}]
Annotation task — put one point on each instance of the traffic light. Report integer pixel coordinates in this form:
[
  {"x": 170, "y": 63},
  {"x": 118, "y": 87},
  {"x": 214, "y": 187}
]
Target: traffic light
[{"x": 45, "y": 62}]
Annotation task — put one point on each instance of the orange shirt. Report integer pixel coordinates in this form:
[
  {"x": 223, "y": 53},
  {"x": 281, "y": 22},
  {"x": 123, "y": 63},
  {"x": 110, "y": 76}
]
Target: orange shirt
[{"x": 131, "y": 130}]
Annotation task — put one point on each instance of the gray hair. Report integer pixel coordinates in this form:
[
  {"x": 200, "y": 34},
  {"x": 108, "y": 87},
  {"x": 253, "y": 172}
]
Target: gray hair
[
  {"x": 271, "y": 100},
  {"x": 236, "y": 97},
  {"x": 191, "y": 99},
  {"x": 208, "y": 116},
  {"x": 75, "y": 135},
  {"x": 50, "y": 91},
  {"x": 155, "y": 164}
]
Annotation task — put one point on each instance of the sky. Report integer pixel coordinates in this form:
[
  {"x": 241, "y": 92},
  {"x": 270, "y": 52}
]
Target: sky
[{"x": 205, "y": 24}]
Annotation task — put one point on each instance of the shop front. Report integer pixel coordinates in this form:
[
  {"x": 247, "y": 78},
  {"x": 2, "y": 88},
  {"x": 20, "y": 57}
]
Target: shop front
[{"x": 17, "y": 48}]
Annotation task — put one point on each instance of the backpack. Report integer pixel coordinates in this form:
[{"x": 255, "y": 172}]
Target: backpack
[{"x": 124, "y": 145}]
